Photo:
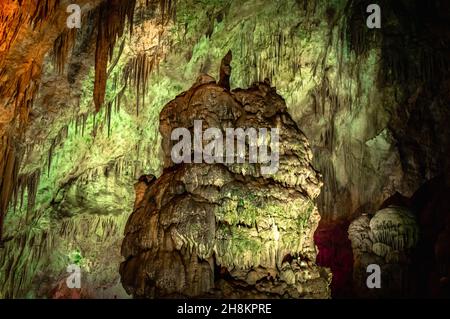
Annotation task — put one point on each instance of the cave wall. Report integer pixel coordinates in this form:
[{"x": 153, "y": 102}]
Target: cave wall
[
  {"x": 74, "y": 185},
  {"x": 227, "y": 229}
]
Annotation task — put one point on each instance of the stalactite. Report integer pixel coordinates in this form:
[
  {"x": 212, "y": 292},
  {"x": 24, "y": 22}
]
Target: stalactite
[
  {"x": 19, "y": 191},
  {"x": 50, "y": 157},
  {"x": 25, "y": 256},
  {"x": 137, "y": 71},
  {"x": 108, "y": 117},
  {"x": 43, "y": 10},
  {"x": 83, "y": 127},
  {"x": 32, "y": 187},
  {"x": 22, "y": 189},
  {"x": 60, "y": 137},
  {"x": 167, "y": 8},
  {"x": 10, "y": 23},
  {"x": 61, "y": 48},
  {"x": 117, "y": 59},
  {"x": 118, "y": 99},
  {"x": 113, "y": 15},
  {"x": 136, "y": 74},
  {"x": 94, "y": 125}
]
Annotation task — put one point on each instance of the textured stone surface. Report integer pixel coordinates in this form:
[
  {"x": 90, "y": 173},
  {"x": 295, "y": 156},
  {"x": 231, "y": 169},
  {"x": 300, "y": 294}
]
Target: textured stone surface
[
  {"x": 224, "y": 229},
  {"x": 386, "y": 239},
  {"x": 374, "y": 109}
]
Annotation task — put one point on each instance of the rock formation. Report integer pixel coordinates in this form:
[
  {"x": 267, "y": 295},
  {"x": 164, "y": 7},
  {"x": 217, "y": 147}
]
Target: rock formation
[
  {"x": 225, "y": 230},
  {"x": 387, "y": 239},
  {"x": 372, "y": 103}
]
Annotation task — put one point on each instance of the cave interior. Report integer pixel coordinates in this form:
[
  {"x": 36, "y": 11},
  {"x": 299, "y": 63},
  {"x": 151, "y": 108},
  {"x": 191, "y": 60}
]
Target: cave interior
[{"x": 91, "y": 90}]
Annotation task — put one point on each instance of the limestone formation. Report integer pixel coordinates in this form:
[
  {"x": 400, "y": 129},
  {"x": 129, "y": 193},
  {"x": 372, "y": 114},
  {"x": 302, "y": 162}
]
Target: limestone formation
[
  {"x": 225, "y": 230},
  {"x": 387, "y": 239},
  {"x": 79, "y": 124},
  {"x": 225, "y": 71}
]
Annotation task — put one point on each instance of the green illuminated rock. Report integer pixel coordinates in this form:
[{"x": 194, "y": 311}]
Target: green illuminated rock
[{"x": 224, "y": 229}]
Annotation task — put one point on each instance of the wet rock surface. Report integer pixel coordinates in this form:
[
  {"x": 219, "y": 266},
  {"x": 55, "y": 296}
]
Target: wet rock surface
[{"x": 225, "y": 230}]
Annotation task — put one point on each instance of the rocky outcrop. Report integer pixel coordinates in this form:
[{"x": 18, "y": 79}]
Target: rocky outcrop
[
  {"x": 386, "y": 239},
  {"x": 225, "y": 229}
]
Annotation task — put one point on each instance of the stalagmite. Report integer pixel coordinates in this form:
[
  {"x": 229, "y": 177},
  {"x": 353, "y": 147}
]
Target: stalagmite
[
  {"x": 136, "y": 74},
  {"x": 196, "y": 216},
  {"x": 61, "y": 48},
  {"x": 83, "y": 127},
  {"x": 44, "y": 9}
]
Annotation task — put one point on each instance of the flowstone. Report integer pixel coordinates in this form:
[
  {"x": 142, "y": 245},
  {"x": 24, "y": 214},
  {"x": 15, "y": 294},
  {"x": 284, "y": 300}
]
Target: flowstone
[
  {"x": 225, "y": 230},
  {"x": 386, "y": 239}
]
